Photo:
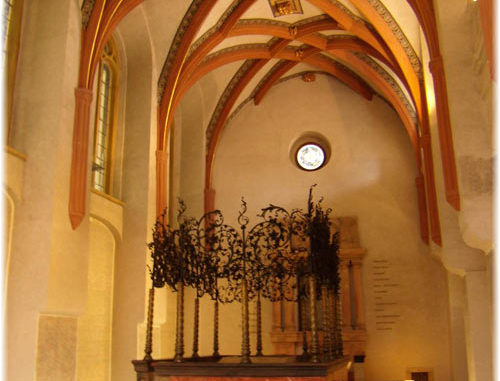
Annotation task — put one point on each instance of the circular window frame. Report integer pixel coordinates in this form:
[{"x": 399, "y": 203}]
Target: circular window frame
[
  {"x": 310, "y": 143},
  {"x": 309, "y": 137}
]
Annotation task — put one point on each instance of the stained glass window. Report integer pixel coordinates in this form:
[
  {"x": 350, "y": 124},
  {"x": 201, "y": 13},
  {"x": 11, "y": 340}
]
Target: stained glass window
[
  {"x": 101, "y": 166},
  {"x": 310, "y": 156}
]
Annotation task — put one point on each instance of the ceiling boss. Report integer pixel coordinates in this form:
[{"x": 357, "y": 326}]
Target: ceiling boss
[{"x": 285, "y": 7}]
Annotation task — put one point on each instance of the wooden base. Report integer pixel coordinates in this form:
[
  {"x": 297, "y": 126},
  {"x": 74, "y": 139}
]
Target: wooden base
[{"x": 229, "y": 368}]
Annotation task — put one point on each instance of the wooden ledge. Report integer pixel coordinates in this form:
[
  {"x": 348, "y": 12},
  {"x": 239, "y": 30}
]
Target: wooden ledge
[{"x": 229, "y": 366}]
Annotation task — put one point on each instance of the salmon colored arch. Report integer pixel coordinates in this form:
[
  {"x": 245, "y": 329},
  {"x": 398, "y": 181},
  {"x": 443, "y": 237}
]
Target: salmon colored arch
[
  {"x": 187, "y": 78},
  {"x": 343, "y": 18},
  {"x": 424, "y": 11},
  {"x": 262, "y": 51},
  {"x": 102, "y": 21},
  {"x": 165, "y": 112},
  {"x": 107, "y": 15},
  {"x": 386, "y": 32}
]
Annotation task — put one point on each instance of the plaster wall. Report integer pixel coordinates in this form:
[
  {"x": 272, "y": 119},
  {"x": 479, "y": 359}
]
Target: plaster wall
[
  {"x": 371, "y": 175},
  {"x": 192, "y": 148},
  {"x": 47, "y": 269}
]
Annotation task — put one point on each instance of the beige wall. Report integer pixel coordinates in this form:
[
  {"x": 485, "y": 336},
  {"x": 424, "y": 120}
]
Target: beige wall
[
  {"x": 47, "y": 266},
  {"x": 371, "y": 175}
]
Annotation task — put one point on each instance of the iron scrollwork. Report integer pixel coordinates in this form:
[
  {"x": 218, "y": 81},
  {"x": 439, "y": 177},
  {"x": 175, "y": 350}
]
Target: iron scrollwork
[{"x": 273, "y": 259}]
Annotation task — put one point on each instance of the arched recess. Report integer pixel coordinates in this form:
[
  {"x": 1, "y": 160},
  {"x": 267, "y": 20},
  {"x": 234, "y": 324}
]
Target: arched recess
[
  {"x": 99, "y": 19},
  {"x": 95, "y": 325}
]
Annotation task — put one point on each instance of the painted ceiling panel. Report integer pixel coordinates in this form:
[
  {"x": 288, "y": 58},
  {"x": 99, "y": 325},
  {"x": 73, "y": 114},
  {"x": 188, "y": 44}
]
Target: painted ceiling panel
[{"x": 262, "y": 9}]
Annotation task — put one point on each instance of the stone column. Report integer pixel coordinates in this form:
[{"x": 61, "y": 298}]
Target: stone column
[
  {"x": 456, "y": 297},
  {"x": 478, "y": 325},
  {"x": 358, "y": 294},
  {"x": 345, "y": 292},
  {"x": 290, "y": 324}
]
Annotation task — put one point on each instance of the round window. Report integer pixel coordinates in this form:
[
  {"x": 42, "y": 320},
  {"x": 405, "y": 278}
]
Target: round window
[{"x": 310, "y": 156}]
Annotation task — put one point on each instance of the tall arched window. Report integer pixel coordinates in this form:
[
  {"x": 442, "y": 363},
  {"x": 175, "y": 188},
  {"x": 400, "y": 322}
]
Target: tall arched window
[{"x": 105, "y": 119}]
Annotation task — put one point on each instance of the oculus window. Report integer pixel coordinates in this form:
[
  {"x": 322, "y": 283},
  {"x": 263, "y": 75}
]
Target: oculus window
[
  {"x": 310, "y": 151},
  {"x": 310, "y": 156}
]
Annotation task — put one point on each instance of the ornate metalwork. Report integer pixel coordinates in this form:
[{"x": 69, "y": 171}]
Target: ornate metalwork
[
  {"x": 216, "y": 329},
  {"x": 314, "y": 320},
  {"x": 245, "y": 340},
  {"x": 332, "y": 324},
  {"x": 259, "y": 325},
  {"x": 268, "y": 260},
  {"x": 179, "y": 337},
  {"x": 325, "y": 323},
  {"x": 196, "y": 326},
  {"x": 302, "y": 304},
  {"x": 149, "y": 326}
]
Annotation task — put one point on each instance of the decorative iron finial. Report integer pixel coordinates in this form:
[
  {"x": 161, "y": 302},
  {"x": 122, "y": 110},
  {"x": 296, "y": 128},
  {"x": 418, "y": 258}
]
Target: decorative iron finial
[
  {"x": 182, "y": 209},
  {"x": 242, "y": 219},
  {"x": 309, "y": 200}
]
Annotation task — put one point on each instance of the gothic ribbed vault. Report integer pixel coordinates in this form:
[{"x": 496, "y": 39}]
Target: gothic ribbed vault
[{"x": 374, "y": 47}]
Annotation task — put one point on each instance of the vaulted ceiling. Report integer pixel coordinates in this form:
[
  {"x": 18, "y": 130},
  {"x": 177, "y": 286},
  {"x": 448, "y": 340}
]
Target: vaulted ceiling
[
  {"x": 329, "y": 37},
  {"x": 372, "y": 46}
]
